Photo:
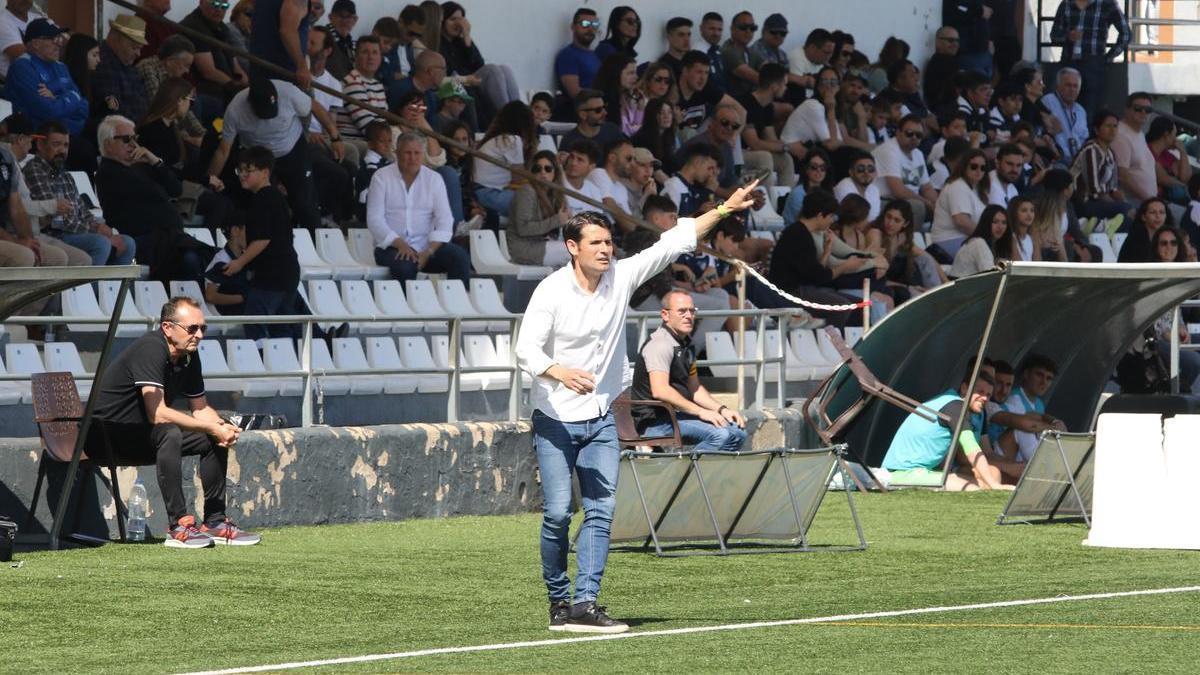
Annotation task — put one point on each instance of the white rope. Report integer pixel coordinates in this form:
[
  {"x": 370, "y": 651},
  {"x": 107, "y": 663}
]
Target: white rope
[{"x": 803, "y": 303}]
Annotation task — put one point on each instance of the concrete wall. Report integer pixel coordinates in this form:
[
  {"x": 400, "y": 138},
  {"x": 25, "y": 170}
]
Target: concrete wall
[{"x": 349, "y": 474}]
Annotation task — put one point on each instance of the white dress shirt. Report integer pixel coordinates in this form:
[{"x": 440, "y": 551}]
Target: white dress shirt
[
  {"x": 419, "y": 213},
  {"x": 566, "y": 325}
]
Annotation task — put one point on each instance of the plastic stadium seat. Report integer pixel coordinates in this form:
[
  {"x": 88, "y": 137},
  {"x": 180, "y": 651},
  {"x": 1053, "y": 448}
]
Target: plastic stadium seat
[
  {"x": 487, "y": 300},
  {"x": 920, "y": 240},
  {"x": 414, "y": 353},
  {"x": 325, "y": 377},
  {"x": 201, "y": 234},
  {"x": 480, "y": 352},
  {"x": 212, "y": 362},
  {"x": 149, "y": 296},
  {"x": 325, "y": 300},
  {"x": 390, "y": 298},
  {"x": 793, "y": 370},
  {"x": 361, "y": 245},
  {"x": 348, "y": 355},
  {"x": 191, "y": 289},
  {"x": 312, "y": 266},
  {"x": 1118, "y": 241},
  {"x": 453, "y": 296},
  {"x": 719, "y": 346},
  {"x": 357, "y": 299},
  {"x": 12, "y": 393},
  {"x": 279, "y": 355},
  {"x": 84, "y": 186},
  {"x": 825, "y": 344},
  {"x": 489, "y": 258},
  {"x": 808, "y": 352},
  {"x": 23, "y": 359},
  {"x": 504, "y": 353},
  {"x": 80, "y": 301},
  {"x": 424, "y": 302},
  {"x": 245, "y": 358},
  {"x": 108, "y": 301},
  {"x": 331, "y": 245},
  {"x": 1100, "y": 241},
  {"x": 853, "y": 334},
  {"x": 382, "y": 353},
  {"x": 546, "y": 142},
  {"x": 63, "y": 357},
  {"x": 441, "y": 356}
]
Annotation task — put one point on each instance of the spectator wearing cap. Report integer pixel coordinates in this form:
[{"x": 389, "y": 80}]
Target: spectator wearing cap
[
  {"x": 679, "y": 42},
  {"x": 174, "y": 59},
  {"x": 40, "y": 86},
  {"x": 362, "y": 86},
  {"x": 217, "y": 75},
  {"x": 590, "y": 110},
  {"x": 343, "y": 16},
  {"x": 735, "y": 55},
  {"x": 270, "y": 113},
  {"x": 769, "y": 49},
  {"x": 453, "y": 99},
  {"x": 576, "y": 65},
  {"x": 71, "y": 223},
  {"x": 14, "y": 20},
  {"x": 117, "y": 89},
  {"x": 156, "y": 31},
  {"x": 279, "y": 35}
]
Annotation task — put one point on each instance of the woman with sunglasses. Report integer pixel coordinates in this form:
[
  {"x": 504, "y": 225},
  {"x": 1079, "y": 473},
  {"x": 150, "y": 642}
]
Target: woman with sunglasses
[
  {"x": 495, "y": 82},
  {"x": 624, "y": 30},
  {"x": 539, "y": 211},
  {"x": 617, "y": 79},
  {"x": 814, "y": 173},
  {"x": 656, "y": 81},
  {"x": 1167, "y": 245},
  {"x": 959, "y": 206}
]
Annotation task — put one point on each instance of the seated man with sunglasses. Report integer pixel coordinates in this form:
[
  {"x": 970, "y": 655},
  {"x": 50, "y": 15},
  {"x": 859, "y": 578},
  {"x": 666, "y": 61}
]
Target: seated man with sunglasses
[
  {"x": 665, "y": 370},
  {"x": 134, "y": 410},
  {"x": 576, "y": 65}
]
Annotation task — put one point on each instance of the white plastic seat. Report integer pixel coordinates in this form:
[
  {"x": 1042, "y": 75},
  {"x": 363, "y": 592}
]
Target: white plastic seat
[
  {"x": 348, "y": 355},
  {"x": 920, "y": 240},
  {"x": 489, "y": 257},
  {"x": 453, "y": 296},
  {"x": 191, "y": 289},
  {"x": 504, "y": 353},
  {"x": 546, "y": 142},
  {"x": 382, "y": 354},
  {"x": 361, "y": 245},
  {"x": 793, "y": 371},
  {"x": 1100, "y": 241},
  {"x": 63, "y": 357},
  {"x": 81, "y": 301},
  {"x": 441, "y": 356},
  {"x": 279, "y": 355},
  {"x": 23, "y": 359},
  {"x": 808, "y": 352},
  {"x": 212, "y": 362},
  {"x": 414, "y": 353},
  {"x": 108, "y": 302},
  {"x": 853, "y": 334},
  {"x": 325, "y": 300},
  {"x": 719, "y": 346},
  {"x": 83, "y": 185},
  {"x": 486, "y": 298},
  {"x": 331, "y": 246},
  {"x": 390, "y": 298},
  {"x": 201, "y": 234},
  {"x": 244, "y": 358},
  {"x": 480, "y": 352},
  {"x": 325, "y": 377},
  {"x": 356, "y": 298},
  {"x": 423, "y": 299},
  {"x": 312, "y": 266},
  {"x": 149, "y": 296},
  {"x": 825, "y": 344},
  {"x": 12, "y": 393},
  {"x": 1118, "y": 241}
]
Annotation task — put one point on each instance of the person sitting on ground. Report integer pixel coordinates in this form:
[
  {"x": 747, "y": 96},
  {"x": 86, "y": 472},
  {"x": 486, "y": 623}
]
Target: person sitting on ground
[
  {"x": 581, "y": 160},
  {"x": 72, "y": 222},
  {"x": 665, "y": 370},
  {"x": 1027, "y": 410},
  {"x": 539, "y": 212},
  {"x": 134, "y": 403},
  {"x": 409, "y": 216},
  {"x": 1005, "y": 426},
  {"x": 978, "y": 252},
  {"x": 591, "y": 111},
  {"x": 918, "y": 450}
]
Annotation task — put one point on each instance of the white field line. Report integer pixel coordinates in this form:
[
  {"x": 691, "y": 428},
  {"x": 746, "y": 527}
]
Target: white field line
[{"x": 689, "y": 631}]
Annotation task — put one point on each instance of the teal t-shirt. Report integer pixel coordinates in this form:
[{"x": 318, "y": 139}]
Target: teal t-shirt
[{"x": 921, "y": 444}]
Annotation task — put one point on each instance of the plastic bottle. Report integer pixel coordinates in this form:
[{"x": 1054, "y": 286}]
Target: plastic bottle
[{"x": 135, "y": 526}]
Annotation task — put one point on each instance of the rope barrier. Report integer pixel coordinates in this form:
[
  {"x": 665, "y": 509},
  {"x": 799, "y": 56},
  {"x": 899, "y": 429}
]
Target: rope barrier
[{"x": 799, "y": 301}]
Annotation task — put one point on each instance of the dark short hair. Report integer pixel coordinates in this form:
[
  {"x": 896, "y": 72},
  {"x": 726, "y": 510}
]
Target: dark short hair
[
  {"x": 910, "y": 119},
  {"x": 52, "y": 127},
  {"x": 1009, "y": 89},
  {"x": 412, "y": 14},
  {"x": 696, "y": 150},
  {"x": 387, "y": 27},
  {"x": 586, "y": 95},
  {"x": 819, "y": 203},
  {"x": 1160, "y": 126},
  {"x": 545, "y": 97},
  {"x": 897, "y": 69},
  {"x": 971, "y": 79},
  {"x": 678, "y": 22},
  {"x": 948, "y": 117},
  {"x": 954, "y": 149},
  {"x": 1137, "y": 95},
  {"x": 853, "y": 209},
  {"x": 176, "y": 44},
  {"x": 615, "y": 144},
  {"x": 712, "y": 16},
  {"x": 1009, "y": 149},
  {"x": 573, "y": 230},
  {"x": 818, "y": 36},
  {"x": 586, "y": 148},
  {"x": 1039, "y": 361},
  {"x": 1002, "y": 367},
  {"x": 582, "y": 11},
  {"x": 328, "y": 42},
  {"x": 770, "y": 74},
  {"x": 170, "y": 307},
  {"x": 375, "y": 130},
  {"x": 731, "y": 226},
  {"x": 692, "y": 58},
  {"x": 983, "y": 377},
  {"x": 258, "y": 157},
  {"x": 366, "y": 40},
  {"x": 661, "y": 204},
  {"x": 1100, "y": 116}
]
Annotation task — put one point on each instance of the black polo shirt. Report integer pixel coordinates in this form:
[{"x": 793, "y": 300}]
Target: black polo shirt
[
  {"x": 146, "y": 362},
  {"x": 663, "y": 351}
]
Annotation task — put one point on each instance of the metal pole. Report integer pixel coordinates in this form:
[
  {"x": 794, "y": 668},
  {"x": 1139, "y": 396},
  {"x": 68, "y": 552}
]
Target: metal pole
[
  {"x": 514, "y": 383},
  {"x": 783, "y": 352},
  {"x": 741, "y": 341},
  {"x": 1175, "y": 351},
  {"x": 866, "y": 310},
  {"x": 452, "y": 362},
  {"x": 760, "y": 368},
  {"x": 306, "y": 405}
]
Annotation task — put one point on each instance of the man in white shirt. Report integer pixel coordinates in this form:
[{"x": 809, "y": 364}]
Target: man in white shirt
[
  {"x": 861, "y": 182},
  {"x": 409, "y": 216},
  {"x": 805, "y": 61},
  {"x": 582, "y": 158},
  {"x": 1135, "y": 161},
  {"x": 610, "y": 181},
  {"x": 1002, "y": 181},
  {"x": 572, "y": 342},
  {"x": 13, "y": 21},
  {"x": 902, "y": 173}
]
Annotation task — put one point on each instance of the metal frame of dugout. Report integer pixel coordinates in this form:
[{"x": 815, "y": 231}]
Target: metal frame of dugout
[
  {"x": 737, "y": 502},
  {"x": 1056, "y": 485}
]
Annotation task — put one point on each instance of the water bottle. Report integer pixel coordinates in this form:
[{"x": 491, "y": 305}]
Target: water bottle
[{"x": 135, "y": 526}]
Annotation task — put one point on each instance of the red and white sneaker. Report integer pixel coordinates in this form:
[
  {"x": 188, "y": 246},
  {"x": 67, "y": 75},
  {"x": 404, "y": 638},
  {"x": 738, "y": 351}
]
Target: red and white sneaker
[
  {"x": 185, "y": 535},
  {"x": 226, "y": 533}
]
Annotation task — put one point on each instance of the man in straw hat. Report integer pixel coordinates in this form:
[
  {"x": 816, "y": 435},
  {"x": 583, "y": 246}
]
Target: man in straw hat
[{"x": 116, "y": 85}]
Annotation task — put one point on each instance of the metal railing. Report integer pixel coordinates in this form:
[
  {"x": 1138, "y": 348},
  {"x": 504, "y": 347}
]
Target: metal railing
[
  {"x": 1135, "y": 22},
  {"x": 454, "y": 369}
]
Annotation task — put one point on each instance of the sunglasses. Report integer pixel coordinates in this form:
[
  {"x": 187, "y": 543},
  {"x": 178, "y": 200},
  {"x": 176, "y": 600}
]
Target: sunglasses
[
  {"x": 1168, "y": 242},
  {"x": 219, "y": 4},
  {"x": 975, "y": 167},
  {"x": 729, "y": 124},
  {"x": 817, "y": 167},
  {"x": 1142, "y": 108},
  {"x": 589, "y": 23},
  {"x": 661, "y": 80},
  {"x": 778, "y": 33},
  {"x": 745, "y": 26},
  {"x": 543, "y": 168},
  {"x": 864, "y": 169},
  {"x": 913, "y": 134},
  {"x": 127, "y": 139},
  {"x": 192, "y": 329}
]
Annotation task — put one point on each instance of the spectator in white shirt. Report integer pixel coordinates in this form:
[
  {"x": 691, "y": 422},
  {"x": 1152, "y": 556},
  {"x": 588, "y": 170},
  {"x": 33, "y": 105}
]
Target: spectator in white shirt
[
  {"x": 610, "y": 181},
  {"x": 902, "y": 173},
  {"x": 582, "y": 158},
  {"x": 572, "y": 342},
  {"x": 13, "y": 21},
  {"x": 1002, "y": 181},
  {"x": 409, "y": 216},
  {"x": 511, "y": 138},
  {"x": 861, "y": 182},
  {"x": 959, "y": 206},
  {"x": 815, "y": 120},
  {"x": 1135, "y": 162}
]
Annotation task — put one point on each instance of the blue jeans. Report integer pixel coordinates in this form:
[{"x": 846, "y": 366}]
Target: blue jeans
[
  {"x": 705, "y": 436},
  {"x": 453, "y": 181},
  {"x": 100, "y": 248},
  {"x": 589, "y": 449},
  {"x": 499, "y": 201},
  {"x": 450, "y": 259},
  {"x": 263, "y": 302}
]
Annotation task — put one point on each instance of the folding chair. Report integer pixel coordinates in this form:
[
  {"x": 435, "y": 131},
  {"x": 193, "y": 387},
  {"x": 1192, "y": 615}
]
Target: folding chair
[
  {"x": 627, "y": 433},
  {"x": 57, "y": 411}
]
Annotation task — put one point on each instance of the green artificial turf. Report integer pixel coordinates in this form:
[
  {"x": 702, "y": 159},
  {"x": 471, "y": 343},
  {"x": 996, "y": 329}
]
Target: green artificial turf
[{"x": 333, "y": 591}]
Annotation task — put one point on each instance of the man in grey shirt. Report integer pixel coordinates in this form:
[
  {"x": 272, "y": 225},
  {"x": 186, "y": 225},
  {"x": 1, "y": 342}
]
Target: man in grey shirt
[{"x": 274, "y": 114}]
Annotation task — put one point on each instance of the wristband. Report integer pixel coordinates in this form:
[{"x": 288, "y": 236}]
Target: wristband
[{"x": 723, "y": 211}]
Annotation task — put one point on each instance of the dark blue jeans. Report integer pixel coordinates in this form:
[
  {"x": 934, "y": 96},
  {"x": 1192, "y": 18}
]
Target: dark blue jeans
[
  {"x": 589, "y": 450},
  {"x": 705, "y": 436},
  {"x": 450, "y": 259},
  {"x": 261, "y": 302}
]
